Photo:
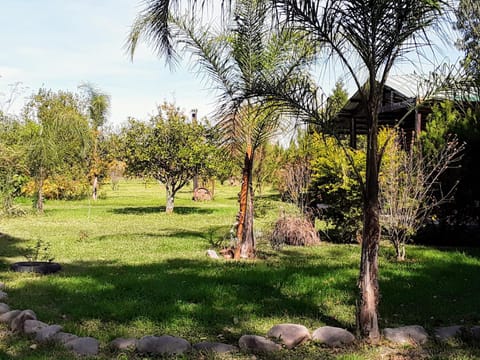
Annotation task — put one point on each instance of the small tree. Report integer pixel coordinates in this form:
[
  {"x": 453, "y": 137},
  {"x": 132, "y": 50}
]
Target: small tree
[
  {"x": 168, "y": 148},
  {"x": 410, "y": 186},
  {"x": 98, "y": 104},
  {"x": 57, "y": 134}
]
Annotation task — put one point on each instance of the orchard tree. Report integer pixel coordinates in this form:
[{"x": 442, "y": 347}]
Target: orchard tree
[
  {"x": 167, "y": 148},
  {"x": 57, "y": 135}
]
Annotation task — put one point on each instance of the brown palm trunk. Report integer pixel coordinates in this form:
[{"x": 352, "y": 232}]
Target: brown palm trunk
[
  {"x": 367, "y": 311},
  {"x": 245, "y": 216}
]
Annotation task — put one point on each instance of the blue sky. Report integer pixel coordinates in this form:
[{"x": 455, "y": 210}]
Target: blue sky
[{"x": 58, "y": 44}]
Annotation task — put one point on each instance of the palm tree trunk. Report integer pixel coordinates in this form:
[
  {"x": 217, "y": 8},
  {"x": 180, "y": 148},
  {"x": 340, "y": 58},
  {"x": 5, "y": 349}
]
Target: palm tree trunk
[
  {"x": 248, "y": 245},
  {"x": 245, "y": 219},
  {"x": 367, "y": 311}
]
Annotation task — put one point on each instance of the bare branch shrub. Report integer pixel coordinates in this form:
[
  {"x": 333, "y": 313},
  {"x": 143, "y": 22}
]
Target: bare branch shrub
[
  {"x": 410, "y": 186},
  {"x": 296, "y": 179}
]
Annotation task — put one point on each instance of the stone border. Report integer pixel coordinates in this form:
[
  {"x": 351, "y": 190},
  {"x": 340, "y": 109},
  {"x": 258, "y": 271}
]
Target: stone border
[{"x": 279, "y": 337}]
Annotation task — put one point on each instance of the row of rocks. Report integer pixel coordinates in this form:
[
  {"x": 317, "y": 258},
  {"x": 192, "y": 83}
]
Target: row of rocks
[
  {"x": 25, "y": 322},
  {"x": 288, "y": 335}
]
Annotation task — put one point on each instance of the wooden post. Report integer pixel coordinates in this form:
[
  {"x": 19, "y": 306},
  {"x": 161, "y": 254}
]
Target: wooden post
[
  {"x": 353, "y": 133},
  {"x": 418, "y": 123}
]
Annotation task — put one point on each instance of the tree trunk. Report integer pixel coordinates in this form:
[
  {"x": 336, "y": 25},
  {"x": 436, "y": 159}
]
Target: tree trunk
[
  {"x": 95, "y": 164},
  {"x": 245, "y": 215},
  {"x": 41, "y": 179},
  {"x": 248, "y": 248},
  {"x": 213, "y": 187},
  {"x": 367, "y": 311},
  {"x": 95, "y": 188},
  {"x": 400, "y": 251},
  {"x": 170, "y": 199}
]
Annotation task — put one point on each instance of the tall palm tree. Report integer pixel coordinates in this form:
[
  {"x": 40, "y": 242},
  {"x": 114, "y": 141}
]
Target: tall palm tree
[
  {"x": 238, "y": 59},
  {"x": 98, "y": 107},
  {"x": 366, "y": 37}
]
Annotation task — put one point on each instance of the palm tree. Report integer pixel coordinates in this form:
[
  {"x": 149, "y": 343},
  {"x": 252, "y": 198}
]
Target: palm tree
[
  {"x": 238, "y": 59},
  {"x": 98, "y": 107},
  {"x": 366, "y": 36}
]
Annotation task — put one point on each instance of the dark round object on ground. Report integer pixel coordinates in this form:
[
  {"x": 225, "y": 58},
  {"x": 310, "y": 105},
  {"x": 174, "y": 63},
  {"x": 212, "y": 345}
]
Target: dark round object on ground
[{"x": 39, "y": 267}]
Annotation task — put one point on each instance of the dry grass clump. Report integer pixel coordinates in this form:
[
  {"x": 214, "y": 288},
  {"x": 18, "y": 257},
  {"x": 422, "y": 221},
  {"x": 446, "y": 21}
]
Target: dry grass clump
[{"x": 293, "y": 230}]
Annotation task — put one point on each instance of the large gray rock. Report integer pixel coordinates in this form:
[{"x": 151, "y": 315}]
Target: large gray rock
[
  {"x": 7, "y": 317},
  {"x": 448, "y": 332},
  {"x": 2, "y": 286},
  {"x": 83, "y": 346},
  {"x": 333, "y": 336},
  {"x": 16, "y": 325},
  {"x": 3, "y": 295},
  {"x": 47, "y": 333},
  {"x": 215, "y": 347},
  {"x": 255, "y": 343},
  {"x": 165, "y": 344},
  {"x": 33, "y": 326},
  {"x": 62, "y": 337},
  {"x": 124, "y": 344},
  {"x": 4, "y": 308},
  {"x": 289, "y": 335},
  {"x": 406, "y": 334}
]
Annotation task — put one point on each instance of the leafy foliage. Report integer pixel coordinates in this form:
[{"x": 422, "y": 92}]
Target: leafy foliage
[
  {"x": 13, "y": 169},
  {"x": 468, "y": 13},
  {"x": 335, "y": 186},
  {"x": 447, "y": 119}
]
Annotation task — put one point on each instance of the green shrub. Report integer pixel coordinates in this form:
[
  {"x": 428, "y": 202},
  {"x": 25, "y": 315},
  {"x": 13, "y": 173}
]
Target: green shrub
[{"x": 335, "y": 187}]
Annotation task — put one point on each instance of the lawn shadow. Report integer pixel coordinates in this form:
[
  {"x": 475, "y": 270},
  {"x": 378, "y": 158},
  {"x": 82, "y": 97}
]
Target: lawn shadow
[
  {"x": 9, "y": 248},
  {"x": 442, "y": 291},
  {"x": 182, "y": 210},
  {"x": 209, "y": 297}
]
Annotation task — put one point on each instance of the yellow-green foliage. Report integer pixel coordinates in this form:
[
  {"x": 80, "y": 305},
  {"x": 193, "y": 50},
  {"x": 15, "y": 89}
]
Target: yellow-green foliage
[
  {"x": 335, "y": 183},
  {"x": 59, "y": 187}
]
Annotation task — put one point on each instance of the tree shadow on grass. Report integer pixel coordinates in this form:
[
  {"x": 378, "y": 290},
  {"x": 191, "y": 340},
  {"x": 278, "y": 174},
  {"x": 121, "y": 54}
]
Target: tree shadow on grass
[
  {"x": 182, "y": 210},
  {"x": 440, "y": 291},
  {"x": 192, "y": 298},
  {"x": 9, "y": 248}
]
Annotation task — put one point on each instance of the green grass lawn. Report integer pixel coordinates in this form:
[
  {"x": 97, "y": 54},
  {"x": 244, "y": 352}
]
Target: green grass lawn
[{"x": 130, "y": 270}]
